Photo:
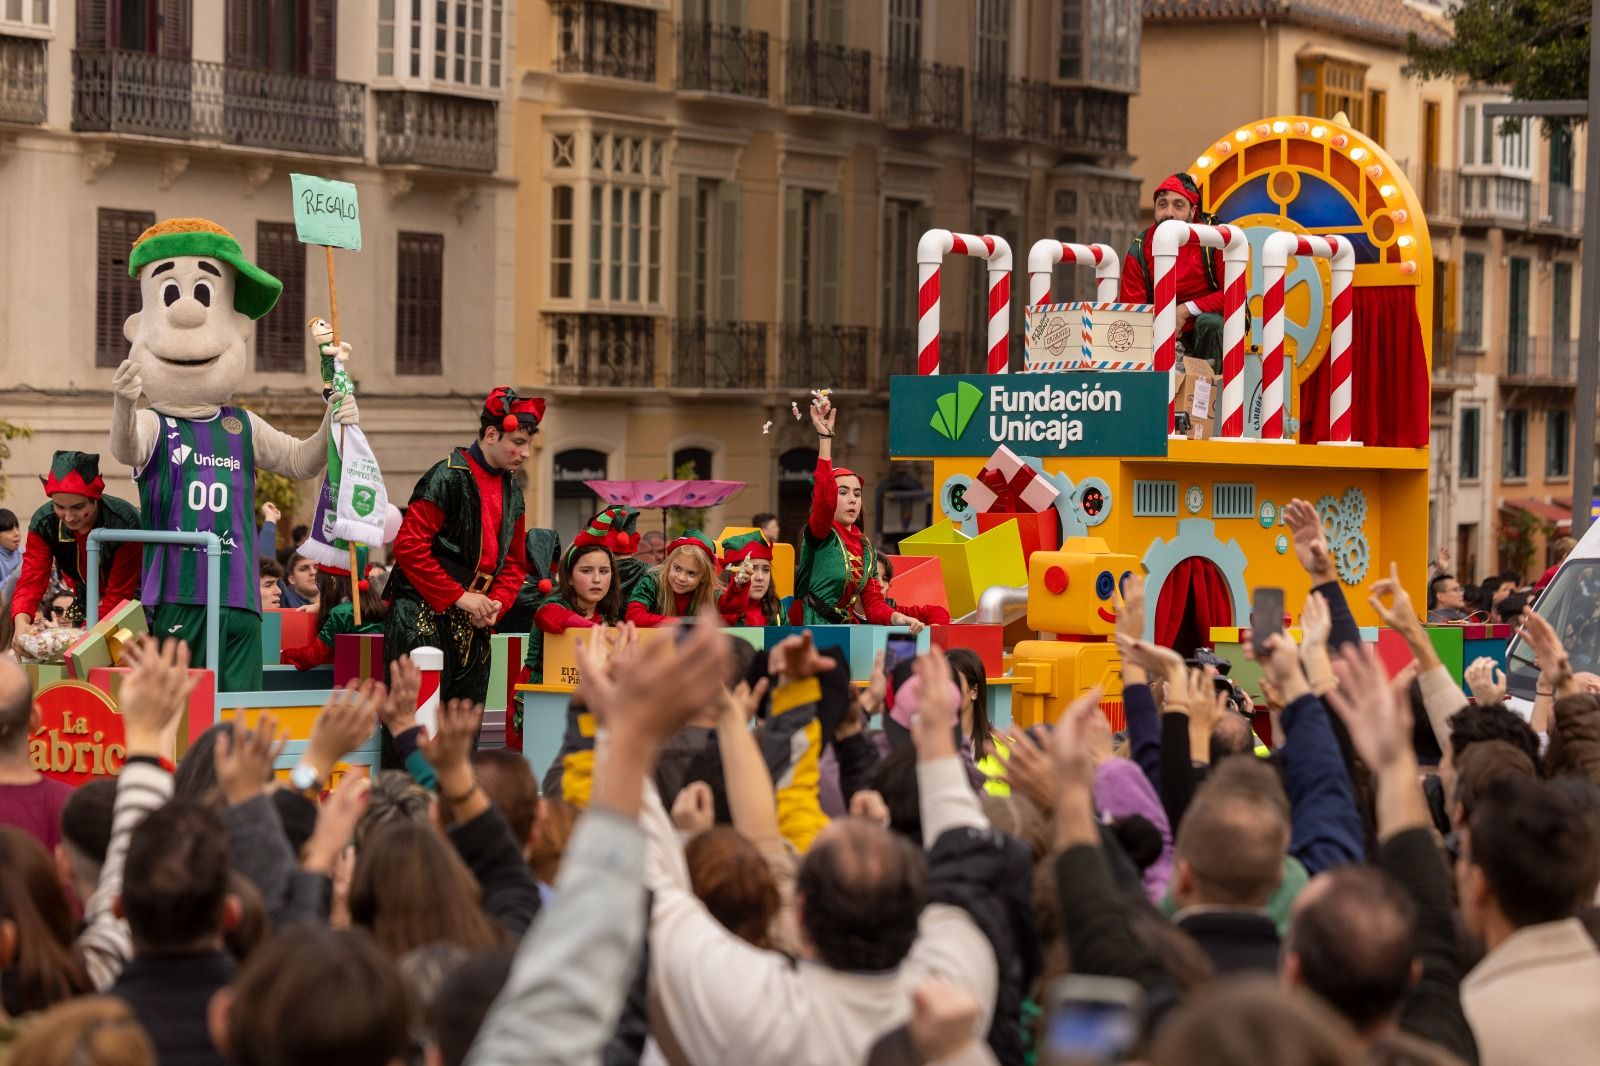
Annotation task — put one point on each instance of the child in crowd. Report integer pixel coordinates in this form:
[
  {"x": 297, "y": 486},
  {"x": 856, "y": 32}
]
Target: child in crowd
[
  {"x": 10, "y": 549},
  {"x": 271, "y": 591},
  {"x": 679, "y": 585},
  {"x": 749, "y": 599}
]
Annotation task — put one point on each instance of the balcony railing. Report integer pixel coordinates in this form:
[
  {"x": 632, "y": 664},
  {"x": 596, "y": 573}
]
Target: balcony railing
[
  {"x": 1090, "y": 120},
  {"x": 140, "y": 93},
  {"x": 435, "y": 130},
  {"x": 1535, "y": 361},
  {"x": 828, "y": 76},
  {"x": 22, "y": 80},
  {"x": 897, "y": 354},
  {"x": 1010, "y": 109},
  {"x": 602, "y": 351},
  {"x": 1438, "y": 190},
  {"x": 1563, "y": 210},
  {"x": 924, "y": 96},
  {"x": 612, "y": 40},
  {"x": 1499, "y": 200},
  {"x": 1457, "y": 359},
  {"x": 811, "y": 353},
  {"x": 719, "y": 355},
  {"x": 722, "y": 59}
]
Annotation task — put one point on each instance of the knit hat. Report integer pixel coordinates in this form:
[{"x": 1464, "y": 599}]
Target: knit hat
[
  {"x": 695, "y": 539},
  {"x": 751, "y": 545},
  {"x": 505, "y": 410},
  {"x": 75, "y": 472},
  {"x": 1182, "y": 184},
  {"x": 611, "y": 528},
  {"x": 254, "y": 290}
]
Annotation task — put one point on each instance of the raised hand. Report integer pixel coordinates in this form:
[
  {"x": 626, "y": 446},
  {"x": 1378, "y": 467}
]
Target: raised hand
[
  {"x": 1398, "y": 614},
  {"x": 868, "y": 803},
  {"x": 693, "y": 810},
  {"x": 245, "y": 757},
  {"x": 1555, "y": 666},
  {"x": 796, "y": 658},
  {"x": 1130, "y": 607},
  {"x": 1072, "y": 744},
  {"x": 1281, "y": 667},
  {"x": 346, "y": 719},
  {"x": 1487, "y": 680},
  {"x": 1159, "y": 663},
  {"x": 1378, "y": 723},
  {"x": 1316, "y": 622},
  {"x": 823, "y": 416},
  {"x": 1310, "y": 540},
  {"x": 451, "y": 747},
  {"x": 154, "y": 695},
  {"x": 399, "y": 711},
  {"x": 128, "y": 382},
  {"x": 740, "y": 703},
  {"x": 1028, "y": 768},
  {"x": 944, "y": 1020},
  {"x": 336, "y": 824},
  {"x": 932, "y": 727}
]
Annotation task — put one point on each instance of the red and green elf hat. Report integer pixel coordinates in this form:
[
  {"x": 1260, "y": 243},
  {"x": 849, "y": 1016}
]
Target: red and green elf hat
[
  {"x": 507, "y": 411},
  {"x": 611, "y": 528},
  {"x": 75, "y": 472},
  {"x": 254, "y": 290},
  {"x": 751, "y": 545},
  {"x": 695, "y": 539}
]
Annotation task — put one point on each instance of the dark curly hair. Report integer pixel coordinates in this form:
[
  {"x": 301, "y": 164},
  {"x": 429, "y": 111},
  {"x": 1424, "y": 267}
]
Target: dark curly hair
[{"x": 864, "y": 888}]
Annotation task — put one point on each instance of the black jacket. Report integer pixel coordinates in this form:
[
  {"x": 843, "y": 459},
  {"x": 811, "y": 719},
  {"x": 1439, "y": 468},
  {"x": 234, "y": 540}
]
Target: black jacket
[
  {"x": 510, "y": 894},
  {"x": 990, "y": 876},
  {"x": 169, "y": 995},
  {"x": 1236, "y": 941}
]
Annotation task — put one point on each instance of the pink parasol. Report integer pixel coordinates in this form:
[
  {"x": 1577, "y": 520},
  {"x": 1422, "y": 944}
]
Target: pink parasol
[{"x": 665, "y": 494}]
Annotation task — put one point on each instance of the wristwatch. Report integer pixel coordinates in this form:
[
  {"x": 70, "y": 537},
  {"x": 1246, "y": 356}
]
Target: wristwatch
[{"x": 304, "y": 777}]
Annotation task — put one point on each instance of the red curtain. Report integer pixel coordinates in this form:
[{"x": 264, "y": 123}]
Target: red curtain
[
  {"x": 1390, "y": 390},
  {"x": 1194, "y": 598}
]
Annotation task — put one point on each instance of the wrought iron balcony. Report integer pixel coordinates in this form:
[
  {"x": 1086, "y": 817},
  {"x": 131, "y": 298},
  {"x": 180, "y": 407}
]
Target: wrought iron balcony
[
  {"x": 22, "y": 80},
  {"x": 829, "y": 76},
  {"x": 436, "y": 130},
  {"x": 924, "y": 96},
  {"x": 1534, "y": 361},
  {"x": 811, "y": 354},
  {"x": 602, "y": 351},
  {"x": 1091, "y": 120},
  {"x": 897, "y": 354},
  {"x": 1563, "y": 210},
  {"x": 612, "y": 40},
  {"x": 1498, "y": 200},
  {"x": 1457, "y": 359},
  {"x": 1011, "y": 109},
  {"x": 719, "y": 355},
  {"x": 140, "y": 93},
  {"x": 722, "y": 59}
]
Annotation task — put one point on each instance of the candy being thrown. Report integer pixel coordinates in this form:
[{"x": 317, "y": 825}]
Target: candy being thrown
[
  {"x": 795, "y": 407},
  {"x": 766, "y": 427}
]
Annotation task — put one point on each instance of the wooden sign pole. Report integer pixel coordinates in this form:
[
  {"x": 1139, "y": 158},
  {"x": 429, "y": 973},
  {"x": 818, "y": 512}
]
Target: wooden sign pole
[{"x": 333, "y": 320}]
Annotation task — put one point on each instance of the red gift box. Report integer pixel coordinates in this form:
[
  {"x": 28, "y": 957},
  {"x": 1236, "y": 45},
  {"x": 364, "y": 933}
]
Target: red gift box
[
  {"x": 200, "y": 716},
  {"x": 357, "y": 656},
  {"x": 918, "y": 581},
  {"x": 299, "y": 627},
  {"x": 1009, "y": 485},
  {"x": 985, "y": 639},
  {"x": 1039, "y": 532}
]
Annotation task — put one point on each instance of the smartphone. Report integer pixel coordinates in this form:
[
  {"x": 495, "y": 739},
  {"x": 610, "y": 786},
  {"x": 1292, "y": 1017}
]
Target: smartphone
[
  {"x": 1266, "y": 617},
  {"x": 899, "y": 648},
  {"x": 1093, "y": 1021}
]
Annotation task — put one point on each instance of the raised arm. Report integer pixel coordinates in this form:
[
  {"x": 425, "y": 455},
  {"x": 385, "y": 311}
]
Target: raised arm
[{"x": 133, "y": 432}]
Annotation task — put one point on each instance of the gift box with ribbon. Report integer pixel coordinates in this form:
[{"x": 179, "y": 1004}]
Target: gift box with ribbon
[
  {"x": 103, "y": 643},
  {"x": 200, "y": 715},
  {"x": 1008, "y": 485},
  {"x": 357, "y": 656}
]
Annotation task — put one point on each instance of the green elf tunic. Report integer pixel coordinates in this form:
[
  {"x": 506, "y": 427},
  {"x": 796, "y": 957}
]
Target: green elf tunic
[
  {"x": 463, "y": 531},
  {"x": 837, "y": 570},
  {"x": 544, "y": 557}
]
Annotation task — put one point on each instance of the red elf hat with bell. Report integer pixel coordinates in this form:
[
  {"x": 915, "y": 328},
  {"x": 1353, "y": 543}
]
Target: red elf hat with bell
[
  {"x": 751, "y": 545},
  {"x": 611, "y": 528},
  {"x": 506, "y": 411},
  {"x": 75, "y": 472}
]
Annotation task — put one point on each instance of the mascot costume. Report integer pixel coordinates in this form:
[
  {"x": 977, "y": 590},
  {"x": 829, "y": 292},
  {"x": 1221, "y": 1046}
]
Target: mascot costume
[{"x": 194, "y": 454}]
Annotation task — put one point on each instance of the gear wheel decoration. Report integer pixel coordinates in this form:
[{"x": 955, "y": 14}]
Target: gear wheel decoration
[
  {"x": 1093, "y": 501},
  {"x": 954, "y": 506},
  {"x": 1343, "y": 519},
  {"x": 1196, "y": 537}
]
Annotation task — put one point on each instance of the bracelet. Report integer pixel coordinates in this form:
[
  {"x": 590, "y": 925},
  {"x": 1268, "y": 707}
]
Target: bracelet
[
  {"x": 824, "y": 436},
  {"x": 462, "y": 798},
  {"x": 1541, "y": 692}
]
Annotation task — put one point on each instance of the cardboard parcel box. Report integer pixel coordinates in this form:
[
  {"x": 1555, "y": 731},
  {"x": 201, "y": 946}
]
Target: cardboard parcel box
[
  {"x": 1088, "y": 336},
  {"x": 1197, "y": 398}
]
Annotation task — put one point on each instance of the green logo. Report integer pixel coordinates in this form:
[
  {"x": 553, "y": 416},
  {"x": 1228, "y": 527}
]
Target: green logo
[
  {"x": 363, "y": 500},
  {"x": 954, "y": 410}
]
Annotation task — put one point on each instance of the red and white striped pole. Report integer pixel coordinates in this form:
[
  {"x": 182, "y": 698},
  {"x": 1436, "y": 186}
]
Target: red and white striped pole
[
  {"x": 931, "y": 250},
  {"x": 1046, "y": 253},
  {"x": 431, "y": 662},
  {"x": 1341, "y": 365},
  {"x": 1169, "y": 237},
  {"x": 1275, "y": 381}
]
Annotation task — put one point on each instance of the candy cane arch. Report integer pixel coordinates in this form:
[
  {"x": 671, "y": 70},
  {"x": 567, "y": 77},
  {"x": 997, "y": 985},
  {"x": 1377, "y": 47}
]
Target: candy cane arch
[
  {"x": 1275, "y": 253},
  {"x": 1170, "y": 236},
  {"x": 931, "y": 250},
  {"x": 1046, "y": 253},
  {"x": 430, "y": 661}
]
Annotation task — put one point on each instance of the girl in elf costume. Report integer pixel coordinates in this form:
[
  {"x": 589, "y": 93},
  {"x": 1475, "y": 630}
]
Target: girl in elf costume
[
  {"x": 679, "y": 585},
  {"x": 588, "y": 596},
  {"x": 749, "y": 599},
  {"x": 835, "y": 575},
  {"x": 339, "y": 615}
]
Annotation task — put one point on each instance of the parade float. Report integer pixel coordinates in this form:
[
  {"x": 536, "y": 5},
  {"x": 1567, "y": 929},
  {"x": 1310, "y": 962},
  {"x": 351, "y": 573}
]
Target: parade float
[{"x": 1097, "y": 450}]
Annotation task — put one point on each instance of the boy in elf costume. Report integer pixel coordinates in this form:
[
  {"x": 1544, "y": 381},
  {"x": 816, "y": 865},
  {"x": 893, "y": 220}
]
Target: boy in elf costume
[
  {"x": 837, "y": 569},
  {"x": 459, "y": 557},
  {"x": 195, "y": 455}
]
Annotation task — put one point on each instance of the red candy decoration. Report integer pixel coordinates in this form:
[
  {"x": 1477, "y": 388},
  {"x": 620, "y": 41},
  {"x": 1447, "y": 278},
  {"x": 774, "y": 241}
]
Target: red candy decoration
[{"x": 509, "y": 423}]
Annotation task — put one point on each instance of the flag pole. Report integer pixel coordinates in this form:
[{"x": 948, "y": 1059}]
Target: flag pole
[{"x": 333, "y": 320}]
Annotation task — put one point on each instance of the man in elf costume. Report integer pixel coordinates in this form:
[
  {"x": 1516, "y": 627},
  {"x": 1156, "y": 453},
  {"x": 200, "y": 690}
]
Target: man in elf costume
[
  {"x": 195, "y": 455},
  {"x": 1199, "y": 272},
  {"x": 59, "y": 536},
  {"x": 460, "y": 558}
]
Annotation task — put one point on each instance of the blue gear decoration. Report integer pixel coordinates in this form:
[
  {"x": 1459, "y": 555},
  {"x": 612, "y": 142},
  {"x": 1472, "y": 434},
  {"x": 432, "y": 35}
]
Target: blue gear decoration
[
  {"x": 954, "y": 506},
  {"x": 1342, "y": 520},
  {"x": 1196, "y": 537},
  {"x": 1092, "y": 501}
]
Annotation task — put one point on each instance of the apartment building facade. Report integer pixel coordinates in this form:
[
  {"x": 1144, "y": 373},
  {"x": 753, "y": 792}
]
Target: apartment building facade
[
  {"x": 117, "y": 113},
  {"x": 718, "y": 209}
]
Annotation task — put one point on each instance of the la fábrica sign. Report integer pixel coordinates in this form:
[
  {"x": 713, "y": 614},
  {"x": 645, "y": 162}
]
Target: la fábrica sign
[{"x": 1107, "y": 413}]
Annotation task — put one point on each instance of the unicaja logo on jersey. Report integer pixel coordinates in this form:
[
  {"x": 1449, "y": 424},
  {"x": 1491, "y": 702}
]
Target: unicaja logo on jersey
[
  {"x": 224, "y": 462},
  {"x": 181, "y": 455}
]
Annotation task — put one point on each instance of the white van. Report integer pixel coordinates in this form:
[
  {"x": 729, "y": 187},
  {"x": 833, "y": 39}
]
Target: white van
[{"x": 1571, "y": 604}]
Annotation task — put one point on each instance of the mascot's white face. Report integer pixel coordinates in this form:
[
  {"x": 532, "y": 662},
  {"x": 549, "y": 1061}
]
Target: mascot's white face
[{"x": 188, "y": 342}]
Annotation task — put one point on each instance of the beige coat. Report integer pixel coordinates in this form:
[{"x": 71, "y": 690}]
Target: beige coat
[{"x": 1535, "y": 999}]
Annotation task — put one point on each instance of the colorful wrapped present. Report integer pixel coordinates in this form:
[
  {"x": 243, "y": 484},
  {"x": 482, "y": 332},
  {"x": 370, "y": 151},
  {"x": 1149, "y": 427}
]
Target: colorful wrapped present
[
  {"x": 297, "y": 628},
  {"x": 42, "y": 674},
  {"x": 1009, "y": 485},
  {"x": 1039, "y": 532},
  {"x": 201, "y": 712},
  {"x": 357, "y": 656},
  {"x": 103, "y": 643},
  {"x": 985, "y": 639},
  {"x": 919, "y": 580}
]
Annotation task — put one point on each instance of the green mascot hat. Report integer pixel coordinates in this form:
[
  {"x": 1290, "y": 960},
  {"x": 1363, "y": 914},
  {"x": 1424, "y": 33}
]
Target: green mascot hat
[{"x": 254, "y": 290}]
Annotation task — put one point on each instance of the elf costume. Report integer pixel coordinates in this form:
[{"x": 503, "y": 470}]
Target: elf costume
[
  {"x": 542, "y": 547},
  {"x": 341, "y": 618},
  {"x": 463, "y": 532},
  {"x": 555, "y": 612},
  {"x": 621, "y": 526},
  {"x": 838, "y": 564},
  {"x": 1199, "y": 273},
  {"x": 50, "y": 543},
  {"x": 735, "y": 603},
  {"x": 644, "y": 599}
]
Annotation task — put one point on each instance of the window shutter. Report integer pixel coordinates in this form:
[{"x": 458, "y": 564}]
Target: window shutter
[
  {"x": 729, "y": 199},
  {"x": 419, "y": 303},
  {"x": 792, "y": 240},
  {"x": 834, "y": 22},
  {"x": 116, "y": 294},
  {"x": 240, "y": 33},
  {"x": 94, "y": 24},
  {"x": 829, "y": 262},
  {"x": 686, "y": 249},
  {"x": 730, "y": 12},
  {"x": 280, "y": 335},
  {"x": 324, "y": 39},
  {"x": 800, "y": 23},
  {"x": 177, "y": 28}
]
